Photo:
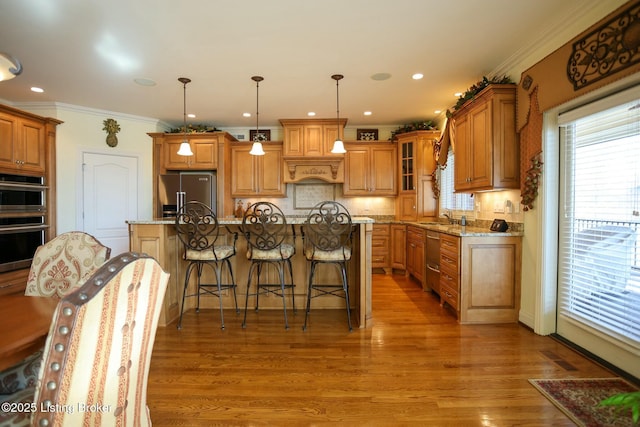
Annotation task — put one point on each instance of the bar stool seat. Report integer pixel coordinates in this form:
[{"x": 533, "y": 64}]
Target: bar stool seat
[
  {"x": 198, "y": 229},
  {"x": 269, "y": 243},
  {"x": 328, "y": 238}
]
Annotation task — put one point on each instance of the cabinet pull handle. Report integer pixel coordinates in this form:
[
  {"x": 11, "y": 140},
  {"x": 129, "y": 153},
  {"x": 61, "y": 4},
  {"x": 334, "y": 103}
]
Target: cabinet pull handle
[{"x": 433, "y": 268}]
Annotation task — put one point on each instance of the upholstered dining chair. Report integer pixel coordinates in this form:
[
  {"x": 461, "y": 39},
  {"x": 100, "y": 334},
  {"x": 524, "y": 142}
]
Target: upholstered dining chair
[
  {"x": 204, "y": 246},
  {"x": 270, "y": 242},
  {"x": 64, "y": 263},
  {"x": 96, "y": 359},
  {"x": 328, "y": 239},
  {"x": 59, "y": 267}
]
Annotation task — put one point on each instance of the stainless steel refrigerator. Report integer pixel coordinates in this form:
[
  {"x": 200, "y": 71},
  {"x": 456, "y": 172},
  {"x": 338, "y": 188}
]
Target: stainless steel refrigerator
[{"x": 185, "y": 187}]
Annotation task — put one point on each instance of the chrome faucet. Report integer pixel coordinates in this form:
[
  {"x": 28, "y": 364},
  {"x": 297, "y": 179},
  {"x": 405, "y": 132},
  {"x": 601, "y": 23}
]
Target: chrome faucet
[{"x": 447, "y": 214}]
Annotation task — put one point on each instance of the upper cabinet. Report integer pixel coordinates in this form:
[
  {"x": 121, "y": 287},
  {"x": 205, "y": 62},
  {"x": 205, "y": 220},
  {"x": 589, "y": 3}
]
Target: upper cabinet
[
  {"x": 485, "y": 146},
  {"x": 206, "y": 149},
  {"x": 257, "y": 175},
  {"x": 416, "y": 166},
  {"x": 23, "y": 142},
  {"x": 370, "y": 169},
  {"x": 310, "y": 137},
  {"x": 306, "y": 151}
]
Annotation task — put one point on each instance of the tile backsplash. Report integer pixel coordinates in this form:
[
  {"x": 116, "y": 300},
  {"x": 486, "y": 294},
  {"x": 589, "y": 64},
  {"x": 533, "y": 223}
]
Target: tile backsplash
[{"x": 300, "y": 197}]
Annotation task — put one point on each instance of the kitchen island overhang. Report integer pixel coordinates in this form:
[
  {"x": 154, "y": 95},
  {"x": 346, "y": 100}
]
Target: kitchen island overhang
[{"x": 158, "y": 239}]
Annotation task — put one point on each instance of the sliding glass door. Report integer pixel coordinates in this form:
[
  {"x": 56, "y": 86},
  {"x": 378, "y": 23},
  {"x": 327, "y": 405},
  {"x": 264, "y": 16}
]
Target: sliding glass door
[{"x": 599, "y": 255}]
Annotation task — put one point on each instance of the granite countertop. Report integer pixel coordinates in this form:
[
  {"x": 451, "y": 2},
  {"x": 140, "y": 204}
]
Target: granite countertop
[
  {"x": 238, "y": 221},
  {"x": 466, "y": 230},
  {"x": 476, "y": 228}
]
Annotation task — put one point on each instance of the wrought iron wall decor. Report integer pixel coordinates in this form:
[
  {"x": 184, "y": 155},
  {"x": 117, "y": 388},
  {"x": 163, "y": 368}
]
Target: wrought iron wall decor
[{"x": 611, "y": 47}]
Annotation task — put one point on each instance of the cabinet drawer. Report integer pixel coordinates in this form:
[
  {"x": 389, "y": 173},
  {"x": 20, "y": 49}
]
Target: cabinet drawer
[
  {"x": 449, "y": 244},
  {"x": 380, "y": 230},
  {"x": 449, "y": 280},
  {"x": 415, "y": 234},
  {"x": 449, "y": 264},
  {"x": 450, "y": 296}
]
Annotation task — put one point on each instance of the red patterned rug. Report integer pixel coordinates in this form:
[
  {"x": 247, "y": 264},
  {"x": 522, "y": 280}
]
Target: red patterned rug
[{"x": 579, "y": 399}]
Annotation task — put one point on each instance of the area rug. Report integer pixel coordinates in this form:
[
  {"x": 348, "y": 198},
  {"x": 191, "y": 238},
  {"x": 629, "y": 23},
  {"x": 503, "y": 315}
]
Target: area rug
[{"x": 579, "y": 399}]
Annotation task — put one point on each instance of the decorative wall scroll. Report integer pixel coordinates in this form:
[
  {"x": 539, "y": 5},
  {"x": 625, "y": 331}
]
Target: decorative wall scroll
[
  {"x": 367, "y": 134},
  {"x": 611, "y": 47},
  {"x": 262, "y": 134}
]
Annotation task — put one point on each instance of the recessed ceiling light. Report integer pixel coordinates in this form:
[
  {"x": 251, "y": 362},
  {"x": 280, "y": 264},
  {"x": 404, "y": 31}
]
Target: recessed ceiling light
[
  {"x": 437, "y": 112},
  {"x": 458, "y": 94},
  {"x": 191, "y": 116},
  {"x": 246, "y": 114},
  {"x": 417, "y": 76},
  {"x": 37, "y": 89},
  {"x": 311, "y": 113},
  {"x": 381, "y": 76},
  {"x": 144, "y": 82},
  {"x": 367, "y": 113}
]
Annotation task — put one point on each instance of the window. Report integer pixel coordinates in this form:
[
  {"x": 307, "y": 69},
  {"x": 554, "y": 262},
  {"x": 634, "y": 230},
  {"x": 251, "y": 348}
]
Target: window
[
  {"x": 449, "y": 200},
  {"x": 599, "y": 258}
]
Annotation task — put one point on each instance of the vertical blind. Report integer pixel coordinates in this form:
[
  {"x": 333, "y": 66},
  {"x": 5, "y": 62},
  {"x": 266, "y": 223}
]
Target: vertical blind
[{"x": 599, "y": 259}]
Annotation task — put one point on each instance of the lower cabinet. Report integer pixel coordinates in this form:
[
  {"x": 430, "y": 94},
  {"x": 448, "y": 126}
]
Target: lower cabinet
[
  {"x": 398, "y": 246},
  {"x": 162, "y": 243},
  {"x": 480, "y": 277},
  {"x": 415, "y": 253},
  {"x": 380, "y": 240}
]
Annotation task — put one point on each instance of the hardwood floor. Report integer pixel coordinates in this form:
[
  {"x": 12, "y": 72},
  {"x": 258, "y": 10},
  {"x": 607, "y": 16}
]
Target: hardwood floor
[{"x": 414, "y": 366}]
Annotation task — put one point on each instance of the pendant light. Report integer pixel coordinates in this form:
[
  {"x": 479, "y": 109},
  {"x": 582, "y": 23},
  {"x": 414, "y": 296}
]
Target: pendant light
[
  {"x": 9, "y": 67},
  {"x": 338, "y": 145},
  {"x": 256, "y": 148},
  {"x": 185, "y": 148}
]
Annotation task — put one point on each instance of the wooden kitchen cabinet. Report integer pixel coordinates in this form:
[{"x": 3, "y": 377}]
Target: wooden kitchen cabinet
[
  {"x": 205, "y": 154},
  {"x": 450, "y": 271},
  {"x": 416, "y": 166},
  {"x": 480, "y": 277},
  {"x": 370, "y": 169},
  {"x": 486, "y": 147},
  {"x": 211, "y": 153},
  {"x": 398, "y": 246},
  {"x": 23, "y": 144},
  {"x": 415, "y": 253},
  {"x": 162, "y": 243},
  {"x": 257, "y": 175},
  {"x": 310, "y": 137},
  {"x": 380, "y": 242}
]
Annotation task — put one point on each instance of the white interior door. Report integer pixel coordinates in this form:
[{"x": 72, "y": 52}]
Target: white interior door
[{"x": 110, "y": 197}]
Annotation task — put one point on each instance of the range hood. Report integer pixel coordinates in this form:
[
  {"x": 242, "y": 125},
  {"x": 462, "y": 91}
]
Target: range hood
[{"x": 327, "y": 169}]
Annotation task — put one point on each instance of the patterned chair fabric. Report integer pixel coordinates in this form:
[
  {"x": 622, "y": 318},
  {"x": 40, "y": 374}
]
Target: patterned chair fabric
[
  {"x": 64, "y": 263},
  {"x": 99, "y": 347}
]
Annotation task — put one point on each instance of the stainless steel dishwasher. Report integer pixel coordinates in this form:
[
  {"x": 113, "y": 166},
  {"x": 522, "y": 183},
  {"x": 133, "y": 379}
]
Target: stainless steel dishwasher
[{"x": 432, "y": 256}]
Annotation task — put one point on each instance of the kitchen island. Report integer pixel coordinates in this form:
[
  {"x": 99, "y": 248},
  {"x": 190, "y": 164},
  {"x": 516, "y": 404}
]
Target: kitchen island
[{"x": 158, "y": 239}]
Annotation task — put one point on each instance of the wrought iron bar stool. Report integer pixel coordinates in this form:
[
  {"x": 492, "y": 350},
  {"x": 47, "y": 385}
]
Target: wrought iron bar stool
[
  {"x": 269, "y": 242},
  {"x": 198, "y": 229},
  {"x": 328, "y": 239}
]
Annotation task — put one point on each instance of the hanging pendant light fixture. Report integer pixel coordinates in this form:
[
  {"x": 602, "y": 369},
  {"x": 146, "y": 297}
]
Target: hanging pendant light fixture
[
  {"x": 256, "y": 148},
  {"x": 338, "y": 145},
  {"x": 9, "y": 67},
  {"x": 185, "y": 147}
]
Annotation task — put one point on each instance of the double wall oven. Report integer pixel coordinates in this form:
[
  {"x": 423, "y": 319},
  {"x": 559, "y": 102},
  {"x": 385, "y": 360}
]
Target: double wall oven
[{"x": 22, "y": 219}]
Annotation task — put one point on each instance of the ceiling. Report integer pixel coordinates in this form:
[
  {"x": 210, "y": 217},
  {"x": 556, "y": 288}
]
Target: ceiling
[{"x": 88, "y": 53}]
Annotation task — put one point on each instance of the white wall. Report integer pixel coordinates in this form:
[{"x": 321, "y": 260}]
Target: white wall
[{"x": 82, "y": 131}]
